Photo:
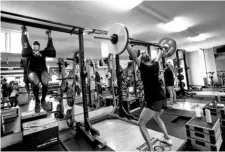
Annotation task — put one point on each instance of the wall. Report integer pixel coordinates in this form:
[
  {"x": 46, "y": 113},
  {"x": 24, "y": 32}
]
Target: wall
[{"x": 196, "y": 72}]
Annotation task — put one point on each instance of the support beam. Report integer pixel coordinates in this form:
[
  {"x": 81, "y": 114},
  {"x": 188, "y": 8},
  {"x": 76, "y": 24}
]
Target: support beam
[
  {"x": 13, "y": 18},
  {"x": 37, "y": 25}
]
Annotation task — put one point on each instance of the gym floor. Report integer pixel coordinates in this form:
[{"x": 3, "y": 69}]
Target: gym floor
[{"x": 174, "y": 118}]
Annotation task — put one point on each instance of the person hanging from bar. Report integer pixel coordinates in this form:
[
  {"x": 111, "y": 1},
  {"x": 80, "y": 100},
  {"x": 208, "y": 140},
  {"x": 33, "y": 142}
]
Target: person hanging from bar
[
  {"x": 24, "y": 64},
  {"x": 37, "y": 69}
]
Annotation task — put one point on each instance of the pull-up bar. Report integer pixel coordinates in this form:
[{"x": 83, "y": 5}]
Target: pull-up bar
[{"x": 46, "y": 24}]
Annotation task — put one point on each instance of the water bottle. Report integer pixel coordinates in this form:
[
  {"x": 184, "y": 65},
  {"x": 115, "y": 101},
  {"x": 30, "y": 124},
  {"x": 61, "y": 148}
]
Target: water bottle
[
  {"x": 198, "y": 111},
  {"x": 208, "y": 116}
]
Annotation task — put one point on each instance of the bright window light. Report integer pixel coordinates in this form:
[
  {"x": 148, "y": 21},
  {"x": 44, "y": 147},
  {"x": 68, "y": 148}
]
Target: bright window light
[
  {"x": 49, "y": 59},
  {"x": 3, "y": 40},
  {"x": 122, "y": 4},
  {"x": 154, "y": 53},
  {"x": 16, "y": 46},
  {"x": 104, "y": 49},
  {"x": 54, "y": 78},
  {"x": 200, "y": 37},
  {"x": 177, "y": 25}
]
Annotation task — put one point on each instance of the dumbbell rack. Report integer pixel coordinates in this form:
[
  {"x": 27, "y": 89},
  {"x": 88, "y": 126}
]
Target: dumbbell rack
[{"x": 181, "y": 57}]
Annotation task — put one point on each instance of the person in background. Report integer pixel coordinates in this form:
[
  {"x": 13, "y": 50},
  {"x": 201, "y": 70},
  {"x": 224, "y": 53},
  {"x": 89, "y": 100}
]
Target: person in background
[
  {"x": 169, "y": 82},
  {"x": 5, "y": 91},
  {"x": 14, "y": 93}
]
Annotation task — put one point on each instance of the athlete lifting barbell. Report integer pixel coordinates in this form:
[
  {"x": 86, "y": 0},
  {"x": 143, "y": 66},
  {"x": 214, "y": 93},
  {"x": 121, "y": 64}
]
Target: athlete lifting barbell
[{"x": 117, "y": 41}]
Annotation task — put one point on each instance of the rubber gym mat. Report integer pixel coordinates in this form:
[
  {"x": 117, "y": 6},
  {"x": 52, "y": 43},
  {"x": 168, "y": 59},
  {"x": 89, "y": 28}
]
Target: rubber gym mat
[{"x": 72, "y": 141}]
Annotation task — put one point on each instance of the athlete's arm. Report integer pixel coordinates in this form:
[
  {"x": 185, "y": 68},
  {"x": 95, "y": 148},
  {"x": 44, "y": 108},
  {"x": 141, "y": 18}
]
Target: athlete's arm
[
  {"x": 133, "y": 55},
  {"x": 26, "y": 48}
]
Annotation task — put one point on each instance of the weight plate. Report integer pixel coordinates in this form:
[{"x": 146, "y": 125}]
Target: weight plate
[
  {"x": 170, "y": 44},
  {"x": 69, "y": 118},
  {"x": 70, "y": 100},
  {"x": 123, "y": 38}
]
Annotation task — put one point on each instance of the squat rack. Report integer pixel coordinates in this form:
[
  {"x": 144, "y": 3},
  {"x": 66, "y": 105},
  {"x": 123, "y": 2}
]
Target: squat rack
[{"x": 13, "y": 18}]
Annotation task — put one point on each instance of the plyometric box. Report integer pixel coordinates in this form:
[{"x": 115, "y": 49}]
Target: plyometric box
[
  {"x": 40, "y": 133},
  {"x": 218, "y": 110},
  {"x": 202, "y": 135}
]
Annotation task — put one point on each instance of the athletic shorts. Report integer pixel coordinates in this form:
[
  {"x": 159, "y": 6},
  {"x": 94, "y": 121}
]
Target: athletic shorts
[
  {"x": 169, "y": 83},
  {"x": 38, "y": 73},
  {"x": 157, "y": 105}
]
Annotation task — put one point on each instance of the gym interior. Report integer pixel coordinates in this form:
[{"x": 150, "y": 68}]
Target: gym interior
[{"x": 95, "y": 93}]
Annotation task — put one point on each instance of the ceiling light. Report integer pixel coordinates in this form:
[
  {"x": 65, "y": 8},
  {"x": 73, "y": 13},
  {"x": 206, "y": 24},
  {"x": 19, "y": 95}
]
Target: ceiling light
[
  {"x": 177, "y": 25},
  {"x": 122, "y": 4},
  {"x": 200, "y": 37}
]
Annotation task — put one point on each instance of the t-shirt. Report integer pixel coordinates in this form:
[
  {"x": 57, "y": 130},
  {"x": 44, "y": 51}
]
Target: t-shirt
[
  {"x": 36, "y": 63},
  {"x": 152, "y": 88},
  {"x": 168, "y": 76}
]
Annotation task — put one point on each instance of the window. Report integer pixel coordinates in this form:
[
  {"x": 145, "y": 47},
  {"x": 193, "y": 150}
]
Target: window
[
  {"x": 10, "y": 41},
  {"x": 15, "y": 42},
  {"x": 3, "y": 41}
]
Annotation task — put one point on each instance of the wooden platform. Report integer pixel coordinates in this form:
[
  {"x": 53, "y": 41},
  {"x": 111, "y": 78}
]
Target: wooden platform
[
  {"x": 123, "y": 136},
  {"x": 209, "y": 93}
]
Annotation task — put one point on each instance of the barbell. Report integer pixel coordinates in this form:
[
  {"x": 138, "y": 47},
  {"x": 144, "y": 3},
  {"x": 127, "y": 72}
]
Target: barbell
[{"x": 117, "y": 40}]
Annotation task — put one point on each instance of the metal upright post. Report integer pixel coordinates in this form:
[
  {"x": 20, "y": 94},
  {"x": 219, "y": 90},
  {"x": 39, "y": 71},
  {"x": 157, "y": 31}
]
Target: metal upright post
[{"x": 83, "y": 77}]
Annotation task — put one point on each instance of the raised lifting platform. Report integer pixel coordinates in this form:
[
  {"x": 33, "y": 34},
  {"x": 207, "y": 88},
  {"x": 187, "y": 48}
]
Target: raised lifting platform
[
  {"x": 119, "y": 134},
  {"x": 123, "y": 136}
]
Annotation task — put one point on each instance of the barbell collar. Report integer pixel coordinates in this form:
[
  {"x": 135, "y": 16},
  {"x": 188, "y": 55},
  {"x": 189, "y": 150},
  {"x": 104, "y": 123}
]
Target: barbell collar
[{"x": 103, "y": 37}]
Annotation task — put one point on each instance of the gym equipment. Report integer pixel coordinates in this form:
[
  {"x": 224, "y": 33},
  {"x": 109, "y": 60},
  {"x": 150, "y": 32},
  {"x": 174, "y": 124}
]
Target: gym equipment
[
  {"x": 59, "y": 111},
  {"x": 108, "y": 75},
  {"x": 202, "y": 136},
  {"x": 88, "y": 65},
  {"x": 62, "y": 75},
  {"x": 181, "y": 57},
  {"x": 69, "y": 118},
  {"x": 118, "y": 37},
  {"x": 39, "y": 134},
  {"x": 181, "y": 84},
  {"x": 216, "y": 109},
  {"x": 117, "y": 40},
  {"x": 70, "y": 97},
  {"x": 168, "y": 44},
  {"x": 97, "y": 82},
  {"x": 125, "y": 130},
  {"x": 180, "y": 77},
  {"x": 11, "y": 132}
]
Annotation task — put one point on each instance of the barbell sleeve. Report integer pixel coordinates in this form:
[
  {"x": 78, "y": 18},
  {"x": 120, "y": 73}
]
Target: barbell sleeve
[{"x": 103, "y": 37}]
